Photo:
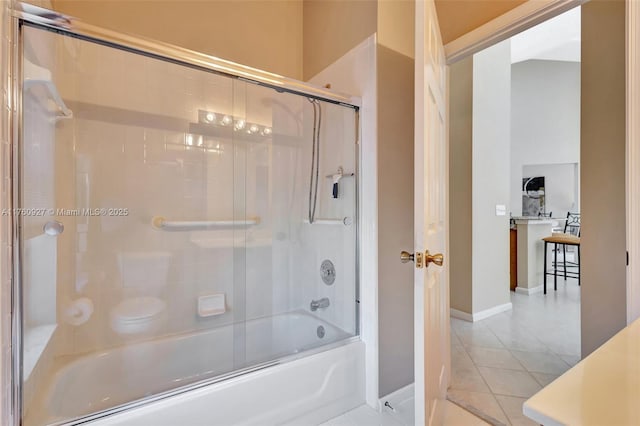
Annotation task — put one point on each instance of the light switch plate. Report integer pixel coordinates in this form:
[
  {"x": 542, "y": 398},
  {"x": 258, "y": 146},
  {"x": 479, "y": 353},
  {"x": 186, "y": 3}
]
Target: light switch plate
[{"x": 501, "y": 210}]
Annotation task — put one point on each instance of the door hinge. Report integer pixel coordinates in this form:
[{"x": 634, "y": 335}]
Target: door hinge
[{"x": 627, "y": 258}]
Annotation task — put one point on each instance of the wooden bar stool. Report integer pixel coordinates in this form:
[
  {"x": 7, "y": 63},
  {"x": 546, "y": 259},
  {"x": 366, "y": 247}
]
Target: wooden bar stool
[{"x": 564, "y": 240}]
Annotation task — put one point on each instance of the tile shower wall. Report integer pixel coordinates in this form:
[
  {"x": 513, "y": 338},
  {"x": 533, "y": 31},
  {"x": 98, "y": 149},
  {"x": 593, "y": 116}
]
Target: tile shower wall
[{"x": 333, "y": 241}]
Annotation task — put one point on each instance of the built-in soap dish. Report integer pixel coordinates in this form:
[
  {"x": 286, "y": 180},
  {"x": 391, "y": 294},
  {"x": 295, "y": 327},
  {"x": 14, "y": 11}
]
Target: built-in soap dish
[{"x": 211, "y": 305}]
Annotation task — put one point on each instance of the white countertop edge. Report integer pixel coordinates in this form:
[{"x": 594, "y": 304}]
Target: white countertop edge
[
  {"x": 538, "y": 417},
  {"x": 621, "y": 349}
]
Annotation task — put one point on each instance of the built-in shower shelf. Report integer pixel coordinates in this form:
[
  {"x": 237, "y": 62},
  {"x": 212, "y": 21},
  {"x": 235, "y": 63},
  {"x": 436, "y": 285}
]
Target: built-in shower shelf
[
  {"x": 35, "y": 75},
  {"x": 161, "y": 223}
]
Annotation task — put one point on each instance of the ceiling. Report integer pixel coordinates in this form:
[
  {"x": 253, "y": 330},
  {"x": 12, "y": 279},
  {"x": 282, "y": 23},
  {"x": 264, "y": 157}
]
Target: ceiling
[
  {"x": 557, "y": 39},
  {"x": 458, "y": 17}
]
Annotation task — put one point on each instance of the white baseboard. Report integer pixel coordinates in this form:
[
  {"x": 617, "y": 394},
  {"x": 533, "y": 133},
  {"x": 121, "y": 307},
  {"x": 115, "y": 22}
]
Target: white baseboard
[
  {"x": 529, "y": 291},
  {"x": 492, "y": 311},
  {"x": 397, "y": 397},
  {"x": 482, "y": 314},
  {"x": 461, "y": 315}
]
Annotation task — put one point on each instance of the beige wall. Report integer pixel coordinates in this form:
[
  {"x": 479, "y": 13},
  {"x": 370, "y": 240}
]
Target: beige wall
[
  {"x": 261, "y": 34},
  {"x": 269, "y": 34},
  {"x": 332, "y": 28},
  {"x": 395, "y": 88},
  {"x": 603, "y": 248},
  {"x": 479, "y": 178},
  {"x": 396, "y": 26},
  {"x": 458, "y": 17},
  {"x": 395, "y": 218},
  {"x": 491, "y": 171},
  {"x": 545, "y": 130},
  {"x": 460, "y": 159}
]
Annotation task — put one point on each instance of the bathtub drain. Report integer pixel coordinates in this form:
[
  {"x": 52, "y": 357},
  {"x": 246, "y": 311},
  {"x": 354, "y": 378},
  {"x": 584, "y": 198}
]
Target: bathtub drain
[{"x": 320, "y": 331}]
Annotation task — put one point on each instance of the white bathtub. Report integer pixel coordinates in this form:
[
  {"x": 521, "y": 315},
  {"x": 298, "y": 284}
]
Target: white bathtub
[{"x": 304, "y": 391}]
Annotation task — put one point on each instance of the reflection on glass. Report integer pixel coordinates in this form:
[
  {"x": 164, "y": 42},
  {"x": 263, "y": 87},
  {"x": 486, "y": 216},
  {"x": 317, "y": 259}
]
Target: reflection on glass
[{"x": 178, "y": 245}]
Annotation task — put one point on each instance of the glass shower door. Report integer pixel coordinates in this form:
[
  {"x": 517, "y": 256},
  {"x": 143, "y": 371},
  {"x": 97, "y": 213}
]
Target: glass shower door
[
  {"x": 301, "y": 268},
  {"x": 166, "y": 229},
  {"x": 133, "y": 227}
]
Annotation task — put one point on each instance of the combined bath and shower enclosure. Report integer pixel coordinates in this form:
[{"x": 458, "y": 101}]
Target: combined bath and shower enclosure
[{"x": 176, "y": 220}]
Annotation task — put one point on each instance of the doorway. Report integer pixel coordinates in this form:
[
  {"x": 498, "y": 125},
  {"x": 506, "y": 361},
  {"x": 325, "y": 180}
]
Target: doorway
[{"x": 515, "y": 179}]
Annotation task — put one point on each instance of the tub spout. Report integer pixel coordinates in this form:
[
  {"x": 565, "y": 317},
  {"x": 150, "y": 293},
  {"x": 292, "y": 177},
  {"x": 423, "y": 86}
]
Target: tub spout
[{"x": 320, "y": 303}]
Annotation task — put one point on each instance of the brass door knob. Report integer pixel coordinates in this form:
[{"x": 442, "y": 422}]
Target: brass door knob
[
  {"x": 418, "y": 258},
  {"x": 406, "y": 257},
  {"x": 437, "y": 258}
]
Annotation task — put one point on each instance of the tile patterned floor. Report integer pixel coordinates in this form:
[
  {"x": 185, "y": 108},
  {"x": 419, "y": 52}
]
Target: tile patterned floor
[{"x": 499, "y": 362}]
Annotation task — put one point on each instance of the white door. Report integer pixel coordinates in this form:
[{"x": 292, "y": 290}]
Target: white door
[{"x": 432, "y": 357}]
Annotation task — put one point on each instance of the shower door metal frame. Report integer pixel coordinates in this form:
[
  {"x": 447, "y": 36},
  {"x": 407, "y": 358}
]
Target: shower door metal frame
[
  {"x": 26, "y": 14},
  {"x": 67, "y": 25}
]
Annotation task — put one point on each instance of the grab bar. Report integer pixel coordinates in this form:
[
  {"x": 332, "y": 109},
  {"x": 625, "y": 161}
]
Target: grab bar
[
  {"x": 161, "y": 223},
  {"x": 34, "y": 74},
  {"x": 346, "y": 221}
]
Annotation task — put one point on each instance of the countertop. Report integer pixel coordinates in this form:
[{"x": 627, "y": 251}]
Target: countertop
[{"x": 602, "y": 389}]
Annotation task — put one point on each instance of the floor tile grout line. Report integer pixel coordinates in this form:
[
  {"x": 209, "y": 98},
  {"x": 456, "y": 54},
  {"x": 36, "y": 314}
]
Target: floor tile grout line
[
  {"x": 504, "y": 368},
  {"x": 541, "y": 372},
  {"x": 477, "y": 412},
  {"x": 508, "y": 327},
  {"x": 489, "y": 387},
  {"x": 508, "y": 350},
  {"x": 503, "y": 409},
  {"x": 511, "y": 396},
  {"x": 500, "y": 404},
  {"x": 523, "y": 366},
  {"x": 493, "y": 394}
]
